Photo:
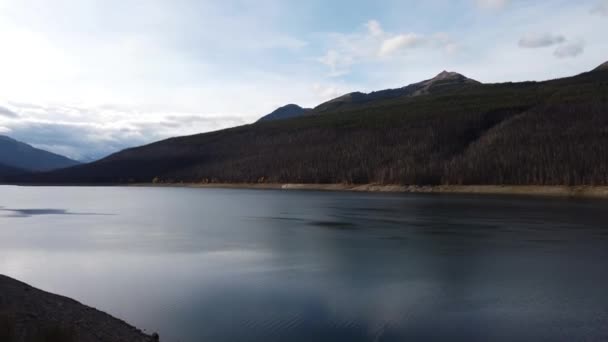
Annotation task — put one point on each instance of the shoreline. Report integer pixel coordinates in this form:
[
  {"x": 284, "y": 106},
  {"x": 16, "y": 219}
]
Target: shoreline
[
  {"x": 600, "y": 192},
  {"x": 27, "y": 314},
  {"x": 560, "y": 191}
]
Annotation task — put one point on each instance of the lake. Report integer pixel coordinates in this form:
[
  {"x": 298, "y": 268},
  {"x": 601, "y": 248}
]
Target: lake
[{"x": 264, "y": 265}]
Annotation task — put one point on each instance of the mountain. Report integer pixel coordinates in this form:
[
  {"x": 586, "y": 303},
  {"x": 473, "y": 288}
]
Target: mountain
[
  {"x": 22, "y": 156},
  {"x": 286, "y": 112},
  {"x": 447, "y": 130},
  {"x": 442, "y": 82},
  {"x": 10, "y": 171}
]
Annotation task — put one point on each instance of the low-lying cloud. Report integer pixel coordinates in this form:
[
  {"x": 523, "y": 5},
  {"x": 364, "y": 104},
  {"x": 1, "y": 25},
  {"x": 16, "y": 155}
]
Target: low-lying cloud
[
  {"x": 532, "y": 41},
  {"x": 87, "y": 134},
  {"x": 564, "y": 48},
  {"x": 570, "y": 50},
  {"x": 401, "y": 41},
  {"x": 8, "y": 113}
]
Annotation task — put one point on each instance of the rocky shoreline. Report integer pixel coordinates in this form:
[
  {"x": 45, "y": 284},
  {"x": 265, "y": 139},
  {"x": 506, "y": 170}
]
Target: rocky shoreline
[{"x": 28, "y": 314}]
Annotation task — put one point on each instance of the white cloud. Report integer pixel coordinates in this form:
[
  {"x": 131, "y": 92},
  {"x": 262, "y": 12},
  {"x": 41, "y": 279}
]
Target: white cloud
[
  {"x": 376, "y": 45},
  {"x": 337, "y": 62},
  {"x": 492, "y": 4},
  {"x": 451, "y": 48},
  {"x": 8, "y": 113},
  {"x": 403, "y": 41},
  {"x": 565, "y": 48},
  {"x": 601, "y": 8},
  {"x": 541, "y": 40},
  {"x": 569, "y": 50},
  {"x": 374, "y": 27}
]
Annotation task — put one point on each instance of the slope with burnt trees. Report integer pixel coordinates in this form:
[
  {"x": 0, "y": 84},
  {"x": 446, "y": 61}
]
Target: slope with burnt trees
[{"x": 542, "y": 133}]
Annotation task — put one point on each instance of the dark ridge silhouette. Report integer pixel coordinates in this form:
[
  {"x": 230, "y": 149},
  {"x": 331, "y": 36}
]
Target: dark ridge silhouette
[
  {"x": 448, "y": 130},
  {"x": 286, "y": 112},
  {"x": 442, "y": 82},
  {"x": 602, "y": 67},
  {"x": 22, "y": 156}
]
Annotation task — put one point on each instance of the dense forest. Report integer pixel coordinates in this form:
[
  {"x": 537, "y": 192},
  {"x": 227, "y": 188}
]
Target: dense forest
[{"x": 541, "y": 133}]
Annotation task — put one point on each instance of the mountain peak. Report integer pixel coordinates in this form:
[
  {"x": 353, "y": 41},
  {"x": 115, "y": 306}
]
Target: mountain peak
[
  {"x": 442, "y": 81},
  {"x": 445, "y": 80},
  {"x": 449, "y": 75},
  {"x": 291, "y": 105},
  {"x": 288, "y": 111}
]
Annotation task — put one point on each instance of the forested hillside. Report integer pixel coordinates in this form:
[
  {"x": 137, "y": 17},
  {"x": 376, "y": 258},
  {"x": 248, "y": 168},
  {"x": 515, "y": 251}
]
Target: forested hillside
[
  {"x": 9, "y": 171},
  {"x": 443, "y": 82},
  {"x": 542, "y": 133}
]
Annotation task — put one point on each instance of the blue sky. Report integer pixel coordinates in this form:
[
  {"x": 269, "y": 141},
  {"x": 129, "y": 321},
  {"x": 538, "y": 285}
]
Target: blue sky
[{"x": 86, "y": 78}]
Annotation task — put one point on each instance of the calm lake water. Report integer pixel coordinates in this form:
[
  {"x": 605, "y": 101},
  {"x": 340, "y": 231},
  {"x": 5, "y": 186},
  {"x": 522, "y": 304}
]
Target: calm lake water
[{"x": 246, "y": 265}]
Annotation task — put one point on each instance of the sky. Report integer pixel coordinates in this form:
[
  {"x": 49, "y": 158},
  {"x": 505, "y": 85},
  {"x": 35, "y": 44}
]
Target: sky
[{"x": 86, "y": 78}]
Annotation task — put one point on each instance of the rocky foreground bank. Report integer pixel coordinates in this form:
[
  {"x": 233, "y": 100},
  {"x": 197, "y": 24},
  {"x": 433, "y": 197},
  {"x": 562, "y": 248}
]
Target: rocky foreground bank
[{"x": 31, "y": 315}]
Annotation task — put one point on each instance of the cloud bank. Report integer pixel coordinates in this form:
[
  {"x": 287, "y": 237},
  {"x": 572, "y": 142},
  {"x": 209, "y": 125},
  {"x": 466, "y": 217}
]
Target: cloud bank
[
  {"x": 564, "y": 49},
  {"x": 8, "y": 113},
  {"x": 75, "y": 134},
  {"x": 572, "y": 49},
  {"x": 601, "y": 8}
]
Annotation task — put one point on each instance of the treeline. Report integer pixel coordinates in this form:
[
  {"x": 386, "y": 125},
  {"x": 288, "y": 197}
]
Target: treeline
[{"x": 547, "y": 133}]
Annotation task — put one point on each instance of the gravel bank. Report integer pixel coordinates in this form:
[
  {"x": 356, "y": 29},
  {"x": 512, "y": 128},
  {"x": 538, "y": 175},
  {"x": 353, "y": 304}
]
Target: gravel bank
[{"x": 28, "y": 314}]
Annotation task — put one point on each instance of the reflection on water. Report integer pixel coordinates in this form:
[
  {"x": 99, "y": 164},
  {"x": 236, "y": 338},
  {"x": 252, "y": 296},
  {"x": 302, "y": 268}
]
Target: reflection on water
[
  {"x": 333, "y": 224},
  {"x": 34, "y": 212},
  {"x": 244, "y": 265}
]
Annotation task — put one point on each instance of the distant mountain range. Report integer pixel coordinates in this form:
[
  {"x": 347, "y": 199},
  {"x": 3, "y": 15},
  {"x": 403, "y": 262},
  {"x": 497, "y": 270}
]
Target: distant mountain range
[
  {"x": 442, "y": 82},
  {"x": 446, "y": 130},
  {"x": 18, "y": 157}
]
